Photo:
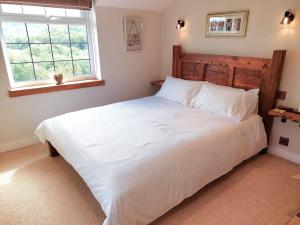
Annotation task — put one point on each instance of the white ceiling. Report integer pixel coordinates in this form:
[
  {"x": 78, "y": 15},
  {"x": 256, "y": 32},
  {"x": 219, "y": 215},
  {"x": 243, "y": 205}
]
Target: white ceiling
[{"x": 152, "y": 5}]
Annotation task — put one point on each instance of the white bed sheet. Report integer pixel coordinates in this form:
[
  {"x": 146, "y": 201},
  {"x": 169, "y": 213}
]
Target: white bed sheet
[{"x": 143, "y": 157}]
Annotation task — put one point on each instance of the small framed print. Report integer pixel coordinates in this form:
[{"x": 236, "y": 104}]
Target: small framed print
[
  {"x": 230, "y": 24},
  {"x": 133, "y": 28}
]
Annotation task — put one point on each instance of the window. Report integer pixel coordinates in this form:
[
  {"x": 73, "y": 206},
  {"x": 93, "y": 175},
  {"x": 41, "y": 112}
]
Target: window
[{"x": 39, "y": 42}]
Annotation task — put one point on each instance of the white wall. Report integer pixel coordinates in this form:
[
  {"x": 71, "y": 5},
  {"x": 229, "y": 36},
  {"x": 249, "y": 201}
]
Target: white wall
[
  {"x": 127, "y": 76},
  {"x": 264, "y": 35}
]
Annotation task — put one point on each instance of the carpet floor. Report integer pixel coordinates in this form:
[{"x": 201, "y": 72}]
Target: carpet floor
[{"x": 38, "y": 190}]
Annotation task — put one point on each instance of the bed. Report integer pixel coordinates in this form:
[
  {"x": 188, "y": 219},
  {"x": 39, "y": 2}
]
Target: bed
[{"x": 141, "y": 158}]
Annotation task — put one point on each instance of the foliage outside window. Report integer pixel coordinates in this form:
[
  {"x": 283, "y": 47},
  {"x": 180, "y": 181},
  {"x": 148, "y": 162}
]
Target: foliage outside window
[{"x": 40, "y": 42}]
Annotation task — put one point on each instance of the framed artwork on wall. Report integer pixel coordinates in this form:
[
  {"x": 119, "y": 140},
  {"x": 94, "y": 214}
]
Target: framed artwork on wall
[
  {"x": 227, "y": 24},
  {"x": 133, "y": 28}
]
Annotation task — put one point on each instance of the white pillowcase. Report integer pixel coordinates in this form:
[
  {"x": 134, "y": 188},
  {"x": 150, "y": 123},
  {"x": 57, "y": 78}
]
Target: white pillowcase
[
  {"x": 179, "y": 90},
  {"x": 236, "y": 104}
]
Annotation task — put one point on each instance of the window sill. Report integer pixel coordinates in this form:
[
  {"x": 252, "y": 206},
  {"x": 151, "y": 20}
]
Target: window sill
[{"x": 34, "y": 90}]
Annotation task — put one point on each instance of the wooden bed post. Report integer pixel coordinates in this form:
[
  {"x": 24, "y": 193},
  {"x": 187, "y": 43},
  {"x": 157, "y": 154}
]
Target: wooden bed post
[
  {"x": 52, "y": 151},
  {"x": 273, "y": 87},
  {"x": 176, "y": 58}
]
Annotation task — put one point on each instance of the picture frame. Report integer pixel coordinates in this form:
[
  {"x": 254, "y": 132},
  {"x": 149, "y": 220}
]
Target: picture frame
[
  {"x": 133, "y": 32},
  {"x": 227, "y": 24}
]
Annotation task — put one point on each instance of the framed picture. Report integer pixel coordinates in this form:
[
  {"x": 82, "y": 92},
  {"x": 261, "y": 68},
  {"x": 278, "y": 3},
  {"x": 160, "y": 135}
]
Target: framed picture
[
  {"x": 231, "y": 24},
  {"x": 133, "y": 28}
]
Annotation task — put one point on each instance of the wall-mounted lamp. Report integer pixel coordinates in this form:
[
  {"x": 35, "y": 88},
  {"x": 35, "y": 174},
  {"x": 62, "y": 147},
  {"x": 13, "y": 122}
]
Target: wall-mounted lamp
[
  {"x": 180, "y": 24},
  {"x": 288, "y": 17}
]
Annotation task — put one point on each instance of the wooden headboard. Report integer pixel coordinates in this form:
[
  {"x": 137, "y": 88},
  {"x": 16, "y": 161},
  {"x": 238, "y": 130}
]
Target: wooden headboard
[{"x": 238, "y": 72}]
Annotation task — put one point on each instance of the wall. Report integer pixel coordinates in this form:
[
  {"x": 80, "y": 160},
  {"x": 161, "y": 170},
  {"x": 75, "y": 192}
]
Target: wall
[
  {"x": 264, "y": 35},
  {"x": 127, "y": 76}
]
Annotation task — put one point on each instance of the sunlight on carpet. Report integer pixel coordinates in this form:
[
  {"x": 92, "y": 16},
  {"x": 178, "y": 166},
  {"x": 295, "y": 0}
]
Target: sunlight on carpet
[{"x": 6, "y": 177}]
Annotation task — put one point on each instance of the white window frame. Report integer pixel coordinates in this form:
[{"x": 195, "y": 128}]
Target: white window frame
[{"x": 88, "y": 18}]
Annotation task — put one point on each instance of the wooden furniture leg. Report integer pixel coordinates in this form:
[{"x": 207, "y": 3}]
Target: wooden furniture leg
[
  {"x": 264, "y": 151},
  {"x": 52, "y": 151}
]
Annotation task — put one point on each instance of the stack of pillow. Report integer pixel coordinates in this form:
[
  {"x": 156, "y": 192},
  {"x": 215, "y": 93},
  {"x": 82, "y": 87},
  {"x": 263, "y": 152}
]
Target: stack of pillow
[{"x": 233, "y": 103}]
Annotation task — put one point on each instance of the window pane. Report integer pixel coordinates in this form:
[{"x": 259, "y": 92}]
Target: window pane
[
  {"x": 55, "y": 11},
  {"x": 59, "y": 34},
  {"x": 33, "y": 10},
  {"x": 64, "y": 67},
  {"x": 44, "y": 71},
  {"x": 73, "y": 12},
  {"x": 41, "y": 52},
  {"x": 8, "y": 8},
  {"x": 80, "y": 51},
  {"x": 18, "y": 53},
  {"x": 23, "y": 72},
  {"x": 38, "y": 33},
  {"x": 14, "y": 32},
  {"x": 78, "y": 33},
  {"x": 32, "y": 47},
  {"x": 61, "y": 52},
  {"x": 82, "y": 67}
]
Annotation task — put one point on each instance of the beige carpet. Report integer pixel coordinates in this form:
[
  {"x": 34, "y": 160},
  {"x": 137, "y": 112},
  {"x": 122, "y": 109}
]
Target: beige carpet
[{"x": 37, "y": 189}]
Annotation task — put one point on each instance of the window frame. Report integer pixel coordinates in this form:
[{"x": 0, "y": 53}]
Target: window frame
[{"x": 88, "y": 19}]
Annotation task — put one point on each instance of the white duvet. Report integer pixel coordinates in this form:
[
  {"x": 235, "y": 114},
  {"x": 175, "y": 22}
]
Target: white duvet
[{"x": 143, "y": 157}]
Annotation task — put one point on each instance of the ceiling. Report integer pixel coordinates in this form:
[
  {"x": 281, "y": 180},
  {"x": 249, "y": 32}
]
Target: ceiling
[{"x": 152, "y": 5}]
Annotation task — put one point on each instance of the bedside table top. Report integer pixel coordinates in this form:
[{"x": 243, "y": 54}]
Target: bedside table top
[
  {"x": 157, "y": 83},
  {"x": 286, "y": 115}
]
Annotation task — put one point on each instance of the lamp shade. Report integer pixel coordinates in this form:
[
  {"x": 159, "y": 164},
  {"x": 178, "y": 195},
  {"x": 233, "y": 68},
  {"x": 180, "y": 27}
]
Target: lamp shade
[{"x": 288, "y": 17}]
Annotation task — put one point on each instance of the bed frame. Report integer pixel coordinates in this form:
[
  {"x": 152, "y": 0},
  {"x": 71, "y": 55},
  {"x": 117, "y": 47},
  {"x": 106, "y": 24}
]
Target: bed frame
[{"x": 234, "y": 71}]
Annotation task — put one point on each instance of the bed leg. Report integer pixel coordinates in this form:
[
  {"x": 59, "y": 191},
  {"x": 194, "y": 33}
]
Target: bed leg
[
  {"x": 52, "y": 151},
  {"x": 264, "y": 151}
]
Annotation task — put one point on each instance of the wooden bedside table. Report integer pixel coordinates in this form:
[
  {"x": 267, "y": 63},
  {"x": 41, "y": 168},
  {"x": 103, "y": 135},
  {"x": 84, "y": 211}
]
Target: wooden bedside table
[
  {"x": 295, "y": 117},
  {"x": 157, "y": 83}
]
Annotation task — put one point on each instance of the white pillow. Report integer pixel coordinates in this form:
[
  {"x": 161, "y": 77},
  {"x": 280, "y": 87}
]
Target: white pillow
[
  {"x": 236, "y": 104},
  {"x": 179, "y": 90}
]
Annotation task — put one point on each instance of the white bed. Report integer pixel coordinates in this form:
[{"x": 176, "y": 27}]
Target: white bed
[{"x": 143, "y": 157}]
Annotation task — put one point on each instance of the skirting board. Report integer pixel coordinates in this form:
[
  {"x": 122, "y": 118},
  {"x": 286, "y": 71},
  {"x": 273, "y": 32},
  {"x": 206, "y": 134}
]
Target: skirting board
[
  {"x": 18, "y": 144},
  {"x": 293, "y": 157}
]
